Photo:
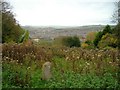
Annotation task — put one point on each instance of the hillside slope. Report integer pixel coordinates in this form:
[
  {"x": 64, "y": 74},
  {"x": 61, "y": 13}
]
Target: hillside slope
[{"x": 52, "y": 32}]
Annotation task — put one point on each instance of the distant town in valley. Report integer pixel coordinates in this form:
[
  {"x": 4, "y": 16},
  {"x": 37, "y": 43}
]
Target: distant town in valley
[{"x": 51, "y": 32}]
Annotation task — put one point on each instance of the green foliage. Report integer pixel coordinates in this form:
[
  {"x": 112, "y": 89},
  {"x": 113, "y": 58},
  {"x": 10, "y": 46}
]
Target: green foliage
[
  {"x": 71, "y": 67},
  {"x": 58, "y": 41},
  {"x": 108, "y": 40},
  {"x": 91, "y": 36},
  {"x": 116, "y": 31},
  {"x": 11, "y": 30},
  {"x": 107, "y": 29},
  {"x": 98, "y": 38},
  {"x": 27, "y": 75},
  {"x": 71, "y": 41},
  {"x": 88, "y": 45},
  {"x": 88, "y": 42},
  {"x": 24, "y": 37},
  {"x": 19, "y": 74}
]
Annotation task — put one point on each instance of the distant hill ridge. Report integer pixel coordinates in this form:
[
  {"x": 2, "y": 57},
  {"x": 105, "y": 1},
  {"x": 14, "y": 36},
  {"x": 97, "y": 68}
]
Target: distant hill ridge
[{"x": 51, "y": 32}]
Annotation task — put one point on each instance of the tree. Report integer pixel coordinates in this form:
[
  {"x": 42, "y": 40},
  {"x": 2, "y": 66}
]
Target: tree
[
  {"x": 108, "y": 40},
  {"x": 117, "y": 33},
  {"x": 116, "y": 14},
  {"x": 11, "y": 30},
  {"x": 90, "y": 36},
  {"x": 116, "y": 18},
  {"x": 107, "y": 29},
  {"x": 71, "y": 41},
  {"x": 0, "y": 23},
  {"x": 98, "y": 38},
  {"x": 90, "y": 39},
  {"x": 76, "y": 41}
]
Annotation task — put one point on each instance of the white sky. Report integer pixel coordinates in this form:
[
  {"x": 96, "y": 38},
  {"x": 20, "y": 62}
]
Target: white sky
[{"x": 63, "y": 12}]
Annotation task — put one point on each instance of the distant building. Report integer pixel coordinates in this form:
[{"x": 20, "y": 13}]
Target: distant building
[{"x": 36, "y": 40}]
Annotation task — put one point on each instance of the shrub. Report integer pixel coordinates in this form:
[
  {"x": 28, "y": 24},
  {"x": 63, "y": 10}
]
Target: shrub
[
  {"x": 108, "y": 40},
  {"x": 58, "y": 41},
  {"x": 98, "y": 38},
  {"x": 88, "y": 42},
  {"x": 91, "y": 36},
  {"x": 71, "y": 41},
  {"x": 107, "y": 29},
  {"x": 84, "y": 45}
]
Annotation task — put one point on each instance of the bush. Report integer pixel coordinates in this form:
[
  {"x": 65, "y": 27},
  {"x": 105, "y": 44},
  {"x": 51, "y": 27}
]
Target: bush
[
  {"x": 84, "y": 45},
  {"x": 108, "y": 40},
  {"x": 88, "y": 42},
  {"x": 107, "y": 29},
  {"x": 91, "y": 36},
  {"x": 71, "y": 41},
  {"x": 98, "y": 38}
]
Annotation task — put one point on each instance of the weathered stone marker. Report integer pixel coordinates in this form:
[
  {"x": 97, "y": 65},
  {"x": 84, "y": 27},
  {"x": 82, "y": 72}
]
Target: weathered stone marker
[{"x": 46, "y": 71}]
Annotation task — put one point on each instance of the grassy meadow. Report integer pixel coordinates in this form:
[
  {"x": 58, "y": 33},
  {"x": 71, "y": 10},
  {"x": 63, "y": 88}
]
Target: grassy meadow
[{"x": 74, "y": 67}]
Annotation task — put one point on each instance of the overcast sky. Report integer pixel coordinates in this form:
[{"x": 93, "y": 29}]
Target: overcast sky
[{"x": 63, "y": 12}]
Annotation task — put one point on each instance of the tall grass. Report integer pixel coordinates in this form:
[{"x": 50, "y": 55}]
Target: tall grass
[{"x": 71, "y": 67}]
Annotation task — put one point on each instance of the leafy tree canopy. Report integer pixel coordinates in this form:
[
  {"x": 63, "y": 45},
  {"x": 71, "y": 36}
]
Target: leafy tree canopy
[{"x": 11, "y": 30}]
